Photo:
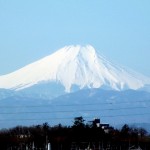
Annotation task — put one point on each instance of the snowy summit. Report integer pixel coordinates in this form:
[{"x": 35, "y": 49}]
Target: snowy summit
[{"x": 74, "y": 65}]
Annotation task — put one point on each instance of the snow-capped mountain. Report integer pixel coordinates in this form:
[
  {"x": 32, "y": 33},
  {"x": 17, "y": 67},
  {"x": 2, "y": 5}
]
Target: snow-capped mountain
[
  {"x": 36, "y": 93},
  {"x": 74, "y": 66}
]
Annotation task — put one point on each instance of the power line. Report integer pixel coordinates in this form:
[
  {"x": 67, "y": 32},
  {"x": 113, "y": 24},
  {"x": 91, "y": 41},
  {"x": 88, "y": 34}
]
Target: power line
[
  {"x": 69, "y": 111},
  {"x": 70, "y": 118},
  {"x": 62, "y": 105}
]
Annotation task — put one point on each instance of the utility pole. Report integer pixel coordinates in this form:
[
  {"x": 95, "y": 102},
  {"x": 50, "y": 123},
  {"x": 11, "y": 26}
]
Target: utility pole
[
  {"x": 33, "y": 146},
  {"x": 49, "y": 146},
  {"x": 46, "y": 143}
]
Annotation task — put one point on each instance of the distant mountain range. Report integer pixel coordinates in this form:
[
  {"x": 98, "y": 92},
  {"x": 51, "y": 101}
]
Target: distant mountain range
[
  {"x": 74, "y": 81},
  {"x": 114, "y": 107}
]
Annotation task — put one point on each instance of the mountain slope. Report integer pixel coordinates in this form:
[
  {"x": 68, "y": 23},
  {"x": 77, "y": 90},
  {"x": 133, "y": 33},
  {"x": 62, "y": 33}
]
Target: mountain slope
[
  {"x": 74, "y": 66},
  {"x": 114, "y": 107}
]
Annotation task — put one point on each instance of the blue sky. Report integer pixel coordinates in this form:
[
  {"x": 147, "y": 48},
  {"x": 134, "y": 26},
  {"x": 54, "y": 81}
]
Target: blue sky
[{"x": 32, "y": 29}]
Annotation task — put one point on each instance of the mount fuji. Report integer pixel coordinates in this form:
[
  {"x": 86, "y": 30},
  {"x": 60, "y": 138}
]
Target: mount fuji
[
  {"x": 73, "y": 81},
  {"x": 73, "y": 67}
]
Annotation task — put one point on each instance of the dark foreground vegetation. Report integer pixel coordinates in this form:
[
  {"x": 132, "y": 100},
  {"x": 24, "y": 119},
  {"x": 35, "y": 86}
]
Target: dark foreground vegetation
[{"x": 79, "y": 136}]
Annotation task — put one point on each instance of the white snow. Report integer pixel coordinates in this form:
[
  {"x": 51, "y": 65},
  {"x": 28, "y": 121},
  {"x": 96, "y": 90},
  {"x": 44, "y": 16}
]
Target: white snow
[{"x": 74, "y": 65}]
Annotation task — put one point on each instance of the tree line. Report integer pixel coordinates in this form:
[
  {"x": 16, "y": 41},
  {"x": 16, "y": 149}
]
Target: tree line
[{"x": 80, "y": 135}]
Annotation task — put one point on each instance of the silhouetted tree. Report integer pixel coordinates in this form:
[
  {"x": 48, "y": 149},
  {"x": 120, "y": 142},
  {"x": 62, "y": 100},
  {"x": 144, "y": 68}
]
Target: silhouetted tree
[
  {"x": 79, "y": 122},
  {"x": 142, "y": 132}
]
